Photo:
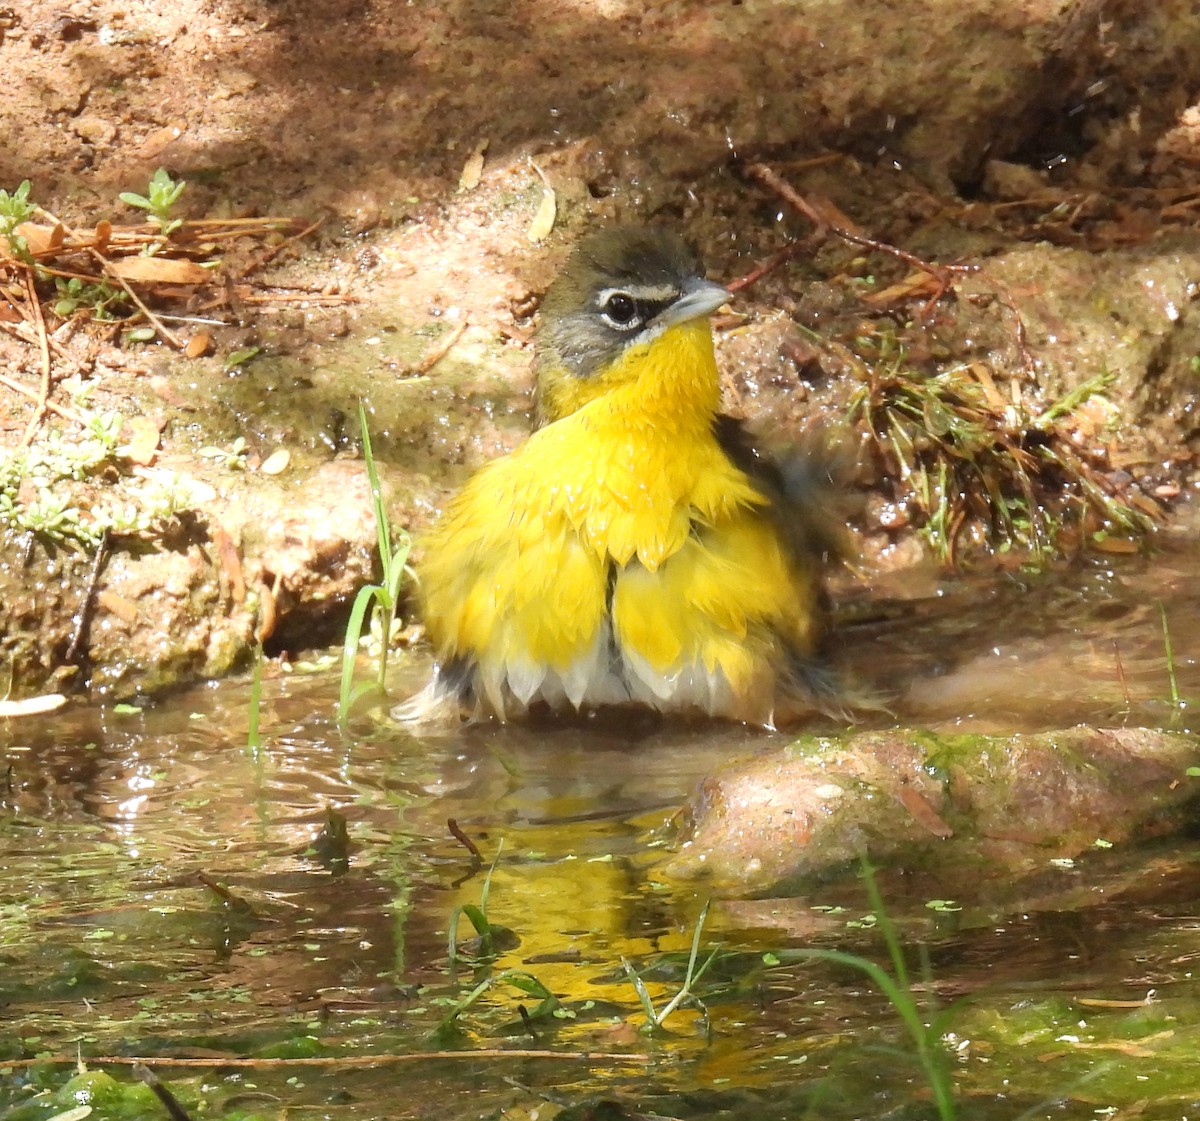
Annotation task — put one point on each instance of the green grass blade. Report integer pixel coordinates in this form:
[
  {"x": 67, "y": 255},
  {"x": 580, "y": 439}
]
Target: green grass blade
[
  {"x": 886, "y": 927},
  {"x": 448, "y": 1024},
  {"x": 393, "y": 550},
  {"x": 686, "y": 993},
  {"x": 487, "y": 880},
  {"x": 253, "y": 738},
  {"x": 689, "y": 976},
  {"x": 929, "y": 1051},
  {"x": 639, "y": 986},
  {"x": 354, "y": 633},
  {"x": 1170, "y": 656},
  {"x": 382, "y": 529},
  {"x": 476, "y": 918},
  {"x": 527, "y": 983},
  {"x": 452, "y": 937}
]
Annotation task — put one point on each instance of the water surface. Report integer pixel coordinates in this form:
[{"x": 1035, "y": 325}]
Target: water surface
[{"x": 165, "y": 892}]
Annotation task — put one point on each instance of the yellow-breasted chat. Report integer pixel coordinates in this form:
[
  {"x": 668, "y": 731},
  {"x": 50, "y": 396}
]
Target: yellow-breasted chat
[{"x": 636, "y": 549}]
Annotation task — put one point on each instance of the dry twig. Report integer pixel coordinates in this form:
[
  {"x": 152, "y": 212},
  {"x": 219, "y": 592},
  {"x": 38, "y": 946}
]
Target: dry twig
[
  {"x": 115, "y": 255},
  {"x": 941, "y": 273},
  {"x": 437, "y": 353},
  {"x": 216, "y": 1062},
  {"x": 771, "y": 263},
  {"x": 25, "y": 391},
  {"x": 269, "y": 255},
  {"x": 43, "y": 397}
]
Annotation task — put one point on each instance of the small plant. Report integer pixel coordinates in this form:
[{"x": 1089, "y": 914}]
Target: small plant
[
  {"x": 45, "y": 488},
  {"x": 384, "y": 596},
  {"x": 1178, "y": 702},
  {"x": 972, "y": 468},
  {"x": 74, "y": 293},
  {"x": 233, "y": 457},
  {"x": 897, "y": 987},
  {"x": 1170, "y": 656},
  {"x": 16, "y": 208},
  {"x": 655, "y": 1018},
  {"x": 54, "y": 518},
  {"x": 548, "y": 1004},
  {"x": 240, "y": 357},
  {"x": 490, "y": 938},
  {"x": 158, "y": 202}
]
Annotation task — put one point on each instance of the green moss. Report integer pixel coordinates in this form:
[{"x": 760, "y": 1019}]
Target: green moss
[{"x": 107, "y": 1097}]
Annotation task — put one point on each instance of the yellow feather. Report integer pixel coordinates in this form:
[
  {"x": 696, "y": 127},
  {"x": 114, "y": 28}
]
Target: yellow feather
[{"x": 629, "y": 496}]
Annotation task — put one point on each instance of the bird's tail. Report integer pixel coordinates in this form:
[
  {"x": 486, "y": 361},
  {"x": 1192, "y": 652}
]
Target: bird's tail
[
  {"x": 814, "y": 684},
  {"x": 444, "y": 702}
]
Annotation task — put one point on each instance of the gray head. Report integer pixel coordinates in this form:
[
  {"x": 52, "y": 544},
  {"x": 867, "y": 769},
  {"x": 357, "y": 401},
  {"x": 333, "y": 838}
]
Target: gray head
[{"x": 619, "y": 287}]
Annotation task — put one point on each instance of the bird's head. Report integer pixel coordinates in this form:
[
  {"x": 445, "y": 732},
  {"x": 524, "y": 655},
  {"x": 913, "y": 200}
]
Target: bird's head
[{"x": 623, "y": 295}]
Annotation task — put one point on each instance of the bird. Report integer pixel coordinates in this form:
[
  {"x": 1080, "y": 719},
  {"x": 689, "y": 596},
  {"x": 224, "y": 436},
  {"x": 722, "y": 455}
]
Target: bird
[{"x": 638, "y": 548}]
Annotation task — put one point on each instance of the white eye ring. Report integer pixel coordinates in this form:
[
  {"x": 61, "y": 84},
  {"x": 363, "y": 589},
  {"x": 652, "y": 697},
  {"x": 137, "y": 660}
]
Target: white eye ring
[{"x": 619, "y": 310}]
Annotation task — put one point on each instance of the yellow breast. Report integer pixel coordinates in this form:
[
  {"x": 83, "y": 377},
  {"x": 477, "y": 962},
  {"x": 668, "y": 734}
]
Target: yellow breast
[{"x": 620, "y": 555}]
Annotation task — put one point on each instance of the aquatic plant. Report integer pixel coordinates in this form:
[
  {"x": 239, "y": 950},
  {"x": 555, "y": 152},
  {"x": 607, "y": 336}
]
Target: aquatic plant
[
  {"x": 656, "y": 1017},
  {"x": 896, "y": 986},
  {"x": 1169, "y": 654},
  {"x": 490, "y": 938},
  {"x": 519, "y": 979},
  {"x": 254, "y": 740},
  {"x": 1179, "y": 703}
]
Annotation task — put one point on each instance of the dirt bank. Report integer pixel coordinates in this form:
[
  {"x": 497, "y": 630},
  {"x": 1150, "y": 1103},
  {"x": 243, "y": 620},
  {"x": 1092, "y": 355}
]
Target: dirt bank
[{"x": 1054, "y": 144}]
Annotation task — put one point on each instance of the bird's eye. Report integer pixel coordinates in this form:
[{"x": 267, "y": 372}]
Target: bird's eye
[{"x": 620, "y": 310}]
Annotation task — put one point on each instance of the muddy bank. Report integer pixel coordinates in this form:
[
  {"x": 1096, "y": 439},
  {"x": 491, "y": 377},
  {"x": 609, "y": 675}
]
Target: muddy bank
[
  {"x": 376, "y": 108},
  {"x": 1060, "y": 164}
]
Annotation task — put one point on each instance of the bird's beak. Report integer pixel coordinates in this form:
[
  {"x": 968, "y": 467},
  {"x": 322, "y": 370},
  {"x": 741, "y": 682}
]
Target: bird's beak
[{"x": 700, "y": 298}]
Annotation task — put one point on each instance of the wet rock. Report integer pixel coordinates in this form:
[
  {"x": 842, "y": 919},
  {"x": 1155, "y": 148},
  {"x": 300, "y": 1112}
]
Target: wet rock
[
  {"x": 40, "y": 598},
  {"x": 974, "y": 807},
  {"x": 192, "y": 602},
  {"x": 156, "y": 617},
  {"x": 316, "y": 556},
  {"x": 1003, "y": 180},
  {"x": 167, "y": 616}
]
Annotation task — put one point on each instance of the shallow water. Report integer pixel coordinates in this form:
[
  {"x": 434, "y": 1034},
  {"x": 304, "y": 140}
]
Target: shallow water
[{"x": 333, "y": 945}]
